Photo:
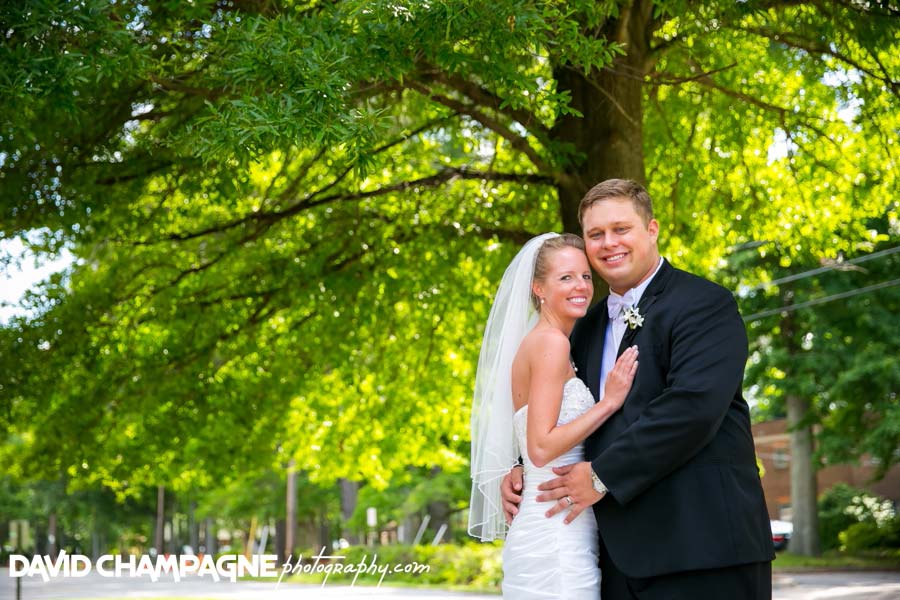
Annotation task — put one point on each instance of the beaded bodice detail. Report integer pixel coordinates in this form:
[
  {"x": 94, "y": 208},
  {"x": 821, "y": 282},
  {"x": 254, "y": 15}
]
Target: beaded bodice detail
[{"x": 576, "y": 400}]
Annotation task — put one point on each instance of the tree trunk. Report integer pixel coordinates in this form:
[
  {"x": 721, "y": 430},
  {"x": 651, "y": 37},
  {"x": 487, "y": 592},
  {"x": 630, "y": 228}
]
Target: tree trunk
[
  {"x": 324, "y": 531},
  {"x": 193, "y": 528},
  {"x": 805, "y": 538},
  {"x": 251, "y": 538},
  {"x": 290, "y": 526},
  {"x": 158, "y": 540},
  {"x": 349, "y": 496},
  {"x": 95, "y": 534},
  {"x": 608, "y": 138},
  {"x": 439, "y": 511},
  {"x": 52, "y": 536},
  {"x": 805, "y": 519},
  {"x": 20, "y": 536},
  {"x": 40, "y": 539},
  {"x": 280, "y": 545},
  {"x": 210, "y": 538}
]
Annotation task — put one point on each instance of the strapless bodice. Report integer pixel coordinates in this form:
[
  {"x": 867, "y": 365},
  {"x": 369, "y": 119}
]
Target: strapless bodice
[{"x": 577, "y": 399}]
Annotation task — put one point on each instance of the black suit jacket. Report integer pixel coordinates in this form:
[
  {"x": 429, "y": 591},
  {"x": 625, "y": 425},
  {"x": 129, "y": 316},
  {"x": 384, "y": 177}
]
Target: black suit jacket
[{"x": 678, "y": 457}]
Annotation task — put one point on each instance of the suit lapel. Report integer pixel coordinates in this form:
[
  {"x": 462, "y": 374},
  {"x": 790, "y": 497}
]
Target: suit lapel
[
  {"x": 595, "y": 351},
  {"x": 653, "y": 291}
]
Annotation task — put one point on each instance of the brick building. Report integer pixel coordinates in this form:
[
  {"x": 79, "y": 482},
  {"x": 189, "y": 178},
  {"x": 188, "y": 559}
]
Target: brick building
[{"x": 773, "y": 447}]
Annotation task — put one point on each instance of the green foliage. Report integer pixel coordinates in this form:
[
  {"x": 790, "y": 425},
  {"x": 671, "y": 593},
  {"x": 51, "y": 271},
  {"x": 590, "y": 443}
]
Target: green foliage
[
  {"x": 833, "y": 515},
  {"x": 80, "y": 515},
  {"x": 471, "y": 564},
  {"x": 851, "y": 518},
  {"x": 869, "y": 535},
  {"x": 839, "y": 354},
  {"x": 410, "y": 493}
]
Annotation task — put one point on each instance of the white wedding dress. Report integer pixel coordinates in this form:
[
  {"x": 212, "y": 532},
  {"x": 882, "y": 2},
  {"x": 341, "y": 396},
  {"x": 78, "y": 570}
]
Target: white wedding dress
[{"x": 543, "y": 557}]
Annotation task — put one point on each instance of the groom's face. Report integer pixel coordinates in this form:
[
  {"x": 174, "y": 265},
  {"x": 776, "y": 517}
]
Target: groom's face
[{"x": 620, "y": 246}]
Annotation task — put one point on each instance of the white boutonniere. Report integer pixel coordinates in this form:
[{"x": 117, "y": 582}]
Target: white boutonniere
[{"x": 633, "y": 317}]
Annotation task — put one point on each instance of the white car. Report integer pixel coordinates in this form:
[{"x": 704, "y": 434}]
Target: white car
[{"x": 781, "y": 533}]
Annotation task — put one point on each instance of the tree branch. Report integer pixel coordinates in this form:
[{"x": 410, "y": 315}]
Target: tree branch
[
  {"x": 431, "y": 181},
  {"x": 812, "y": 47},
  {"x": 485, "y": 97},
  {"x": 170, "y": 85},
  {"x": 518, "y": 142},
  {"x": 781, "y": 111},
  {"x": 659, "y": 78}
]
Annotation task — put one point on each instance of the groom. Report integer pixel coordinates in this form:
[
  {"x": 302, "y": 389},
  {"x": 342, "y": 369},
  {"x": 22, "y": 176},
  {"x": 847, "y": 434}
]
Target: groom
[{"x": 672, "y": 476}]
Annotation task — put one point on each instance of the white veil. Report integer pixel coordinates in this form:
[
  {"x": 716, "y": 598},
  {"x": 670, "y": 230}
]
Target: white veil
[{"x": 494, "y": 449}]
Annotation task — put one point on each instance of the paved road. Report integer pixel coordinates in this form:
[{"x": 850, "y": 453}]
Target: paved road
[
  {"x": 807, "y": 586},
  {"x": 837, "y": 586},
  {"x": 95, "y": 586}
]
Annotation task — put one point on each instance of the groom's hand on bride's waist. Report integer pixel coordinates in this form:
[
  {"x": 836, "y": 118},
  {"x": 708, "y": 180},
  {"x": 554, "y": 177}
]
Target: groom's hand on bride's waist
[
  {"x": 571, "y": 491},
  {"x": 511, "y": 491}
]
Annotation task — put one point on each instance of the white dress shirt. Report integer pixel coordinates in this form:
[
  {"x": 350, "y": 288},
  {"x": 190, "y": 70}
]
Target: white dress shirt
[{"x": 615, "y": 328}]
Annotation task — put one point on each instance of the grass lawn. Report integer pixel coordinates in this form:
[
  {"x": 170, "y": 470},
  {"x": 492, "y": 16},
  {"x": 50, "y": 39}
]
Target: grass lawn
[{"x": 785, "y": 561}]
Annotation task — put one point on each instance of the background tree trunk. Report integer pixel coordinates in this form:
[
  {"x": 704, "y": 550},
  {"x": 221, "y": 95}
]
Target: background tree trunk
[
  {"x": 210, "y": 537},
  {"x": 290, "y": 528},
  {"x": 193, "y": 528},
  {"x": 52, "y": 536},
  {"x": 280, "y": 544},
  {"x": 349, "y": 496},
  {"x": 439, "y": 511},
  {"x": 40, "y": 538},
  {"x": 805, "y": 539},
  {"x": 20, "y": 535},
  {"x": 95, "y": 534},
  {"x": 158, "y": 540},
  {"x": 249, "y": 547},
  {"x": 324, "y": 532},
  {"x": 609, "y": 136}
]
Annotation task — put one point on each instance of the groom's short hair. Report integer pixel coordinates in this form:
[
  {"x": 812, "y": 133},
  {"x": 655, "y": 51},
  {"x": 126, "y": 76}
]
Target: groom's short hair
[{"x": 618, "y": 188}]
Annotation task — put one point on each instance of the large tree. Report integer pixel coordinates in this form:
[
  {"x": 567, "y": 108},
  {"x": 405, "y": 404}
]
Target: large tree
[{"x": 290, "y": 216}]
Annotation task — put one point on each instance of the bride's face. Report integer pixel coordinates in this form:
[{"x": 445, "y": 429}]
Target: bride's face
[{"x": 567, "y": 287}]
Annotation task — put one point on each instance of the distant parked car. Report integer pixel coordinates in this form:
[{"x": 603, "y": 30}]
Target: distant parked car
[{"x": 781, "y": 534}]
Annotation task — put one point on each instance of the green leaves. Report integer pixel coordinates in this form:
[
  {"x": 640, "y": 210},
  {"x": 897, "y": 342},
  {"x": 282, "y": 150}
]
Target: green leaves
[{"x": 840, "y": 354}]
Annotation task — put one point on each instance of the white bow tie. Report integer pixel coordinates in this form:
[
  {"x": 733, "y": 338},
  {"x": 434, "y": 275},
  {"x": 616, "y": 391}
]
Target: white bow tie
[{"x": 615, "y": 304}]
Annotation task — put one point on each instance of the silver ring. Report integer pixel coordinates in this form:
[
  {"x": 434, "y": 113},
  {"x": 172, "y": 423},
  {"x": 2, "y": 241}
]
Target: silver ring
[{"x": 569, "y": 500}]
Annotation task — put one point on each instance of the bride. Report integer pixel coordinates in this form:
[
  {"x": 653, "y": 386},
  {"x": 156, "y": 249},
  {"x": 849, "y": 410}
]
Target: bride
[{"x": 529, "y": 403}]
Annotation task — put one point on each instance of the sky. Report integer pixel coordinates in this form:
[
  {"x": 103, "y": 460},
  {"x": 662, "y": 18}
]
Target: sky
[{"x": 24, "y": 272}]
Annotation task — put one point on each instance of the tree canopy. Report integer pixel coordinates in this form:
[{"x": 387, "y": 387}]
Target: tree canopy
[{"x": 290, "y": 217}]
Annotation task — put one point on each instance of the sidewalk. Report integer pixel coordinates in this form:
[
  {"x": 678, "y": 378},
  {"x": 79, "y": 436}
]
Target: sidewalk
[
  {"x": 95, "y": 586},
  {"x": 858, "y": 585}
]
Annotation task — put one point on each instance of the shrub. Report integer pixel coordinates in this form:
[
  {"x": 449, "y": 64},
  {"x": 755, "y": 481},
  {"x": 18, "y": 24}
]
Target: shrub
[
  {"x": 870, "y": 535},
  {"x": 470, "y": 564},
  {"x": 843, "y": 506}
]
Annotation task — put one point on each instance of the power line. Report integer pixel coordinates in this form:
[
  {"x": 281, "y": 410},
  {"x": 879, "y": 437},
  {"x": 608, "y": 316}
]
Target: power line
[
  {"x": 832, "y": 267},
  {"x": 848, "y": 294}
]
